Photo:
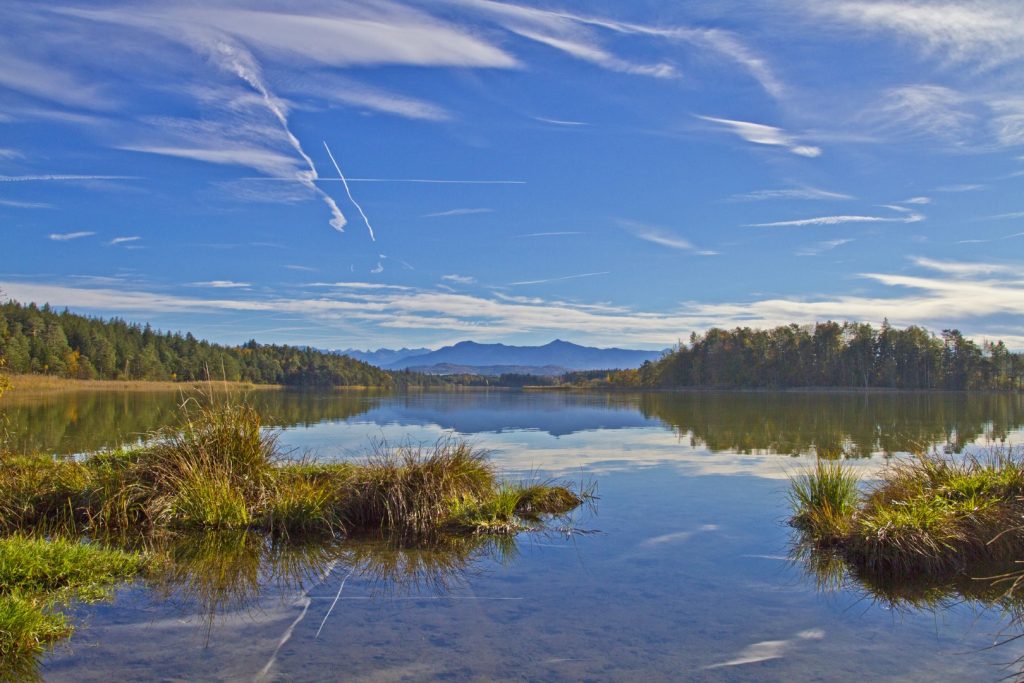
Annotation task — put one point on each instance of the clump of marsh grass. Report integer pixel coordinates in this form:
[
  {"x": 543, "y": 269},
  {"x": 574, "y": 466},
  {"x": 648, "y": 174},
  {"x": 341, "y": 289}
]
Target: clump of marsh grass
[
  {"x": 823, "y": 500},
  {"x": 409, "y": 490},
  {"x": 514, "y": 507},
  {"x": 930, "y": 514},
  {"x": 221, "y": 470}
]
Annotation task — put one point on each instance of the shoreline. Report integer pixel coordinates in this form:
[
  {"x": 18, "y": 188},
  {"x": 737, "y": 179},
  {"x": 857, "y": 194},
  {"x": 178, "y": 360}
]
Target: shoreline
[{"x": 24, "y": 385}]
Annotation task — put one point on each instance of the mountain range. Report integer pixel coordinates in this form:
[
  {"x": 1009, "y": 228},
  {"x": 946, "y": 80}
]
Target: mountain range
[{"x": 553, "y": 358}]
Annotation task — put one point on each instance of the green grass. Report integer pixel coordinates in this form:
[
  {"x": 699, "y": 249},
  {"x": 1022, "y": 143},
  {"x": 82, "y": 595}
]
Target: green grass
[
  {"x": 36, "y": 575},
  {"x": 823, "y": 500},
  {"x": 220, "y": 469},
  {"x": 929, "y": 514}
]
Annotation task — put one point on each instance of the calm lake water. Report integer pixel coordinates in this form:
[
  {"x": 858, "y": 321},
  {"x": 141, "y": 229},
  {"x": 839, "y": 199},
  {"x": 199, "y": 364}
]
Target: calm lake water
[{"x": 682, "y": 572}]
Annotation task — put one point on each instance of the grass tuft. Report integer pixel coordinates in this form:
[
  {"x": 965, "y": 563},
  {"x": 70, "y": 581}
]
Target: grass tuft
[
  {"x": 823, "y": 500},
  {"x": 929, "y": 514}
]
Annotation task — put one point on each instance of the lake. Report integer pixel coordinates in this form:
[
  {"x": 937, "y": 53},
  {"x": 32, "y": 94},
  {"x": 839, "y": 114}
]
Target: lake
[{"x": 684, "y": 569}]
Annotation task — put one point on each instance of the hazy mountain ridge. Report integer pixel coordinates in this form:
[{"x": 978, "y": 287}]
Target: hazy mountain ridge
[
  {"x": 490, "y": 370},
  {"x": 557, "y": 354},
  {"x": 381, "y": 357}
]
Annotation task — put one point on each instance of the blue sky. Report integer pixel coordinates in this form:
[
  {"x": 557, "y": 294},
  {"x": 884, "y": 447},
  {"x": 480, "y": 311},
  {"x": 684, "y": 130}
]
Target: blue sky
[{"x": 605, "y": 172}]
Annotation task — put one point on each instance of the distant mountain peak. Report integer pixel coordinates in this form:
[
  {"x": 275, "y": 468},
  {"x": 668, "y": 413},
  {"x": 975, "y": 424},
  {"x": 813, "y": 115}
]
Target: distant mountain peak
[{"x": 555, "y": 354}]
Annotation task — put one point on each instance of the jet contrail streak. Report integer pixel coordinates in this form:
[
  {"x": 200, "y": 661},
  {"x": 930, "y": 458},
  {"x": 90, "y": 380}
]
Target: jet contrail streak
[
  {"x": 244, "y": 65},
  {"x": 30, "y": 178},
  {"x": 399, "y": 180},
  {"x": 349, "y": 192}
]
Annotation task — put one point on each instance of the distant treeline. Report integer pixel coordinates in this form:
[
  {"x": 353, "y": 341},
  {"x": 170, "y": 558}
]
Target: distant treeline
[
  {"x": 38, "y": 339},
  {"x": 824, "y": 355}
]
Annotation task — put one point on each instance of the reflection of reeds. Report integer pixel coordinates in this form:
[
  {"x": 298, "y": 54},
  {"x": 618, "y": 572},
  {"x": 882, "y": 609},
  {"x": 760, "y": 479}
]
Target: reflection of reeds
[{"x": 216, "y": 572}]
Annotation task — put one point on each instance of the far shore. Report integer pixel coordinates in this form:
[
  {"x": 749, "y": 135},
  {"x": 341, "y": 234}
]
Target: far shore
[{"x": 23, "y": 385}]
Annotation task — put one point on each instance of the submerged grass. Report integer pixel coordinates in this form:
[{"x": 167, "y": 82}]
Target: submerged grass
[
  {"x": 931, "y": 514},
  {"x": 36, "y": 575}
]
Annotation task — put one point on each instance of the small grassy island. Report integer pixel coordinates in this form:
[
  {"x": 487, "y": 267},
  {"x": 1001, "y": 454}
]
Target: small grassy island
[
  {"x": 72, "y": 528},
  {"x": 931, "y": 515}
]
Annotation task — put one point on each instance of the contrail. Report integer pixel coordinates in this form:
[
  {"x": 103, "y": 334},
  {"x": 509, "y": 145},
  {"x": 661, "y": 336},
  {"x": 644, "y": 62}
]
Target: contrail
[
  {"x": 349, "y": 192},
  {"x": 245, "y": 67},
  {"x": 30, "y": 178},
  {"x": 437, "y": 181}
]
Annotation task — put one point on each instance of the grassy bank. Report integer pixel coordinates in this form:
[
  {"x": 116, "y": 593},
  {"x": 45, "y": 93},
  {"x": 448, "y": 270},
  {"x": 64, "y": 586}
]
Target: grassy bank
[
  {"x": 927, "y": 515},
  {"x": 48, "y": 384},
  {"x": 220, "y": 470},
  {"x": 39, "y": 575},
  {"x": 218, "y": 479}
]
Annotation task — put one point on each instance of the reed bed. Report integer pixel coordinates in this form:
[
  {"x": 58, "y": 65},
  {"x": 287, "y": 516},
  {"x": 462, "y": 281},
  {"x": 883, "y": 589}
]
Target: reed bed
[
  {"x": 931, "y": 514},
  {"x": 201, "y": 506}
]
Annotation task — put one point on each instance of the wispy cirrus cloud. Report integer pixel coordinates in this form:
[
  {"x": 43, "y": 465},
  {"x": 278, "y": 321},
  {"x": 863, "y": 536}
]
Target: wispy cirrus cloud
[
  {"x": 573, "y": 33},
  {"x": 985, "y": 33},
  {"x": 62, "y": 178},
  {"x": 221, "y": 284},
  {"x": 821, "y": 247},
  {"x": 456, "y": 212},
  {"x": 980, "y": 298},
  {"x": 124, "y": 240},
  {"x": 663, "y": 238},
  {"x": 67, "y": 236},
  {"x": 553, "y": 233},
  {"x": 761, "y": 134},
  {"x": 459, "y": 279},
  {"x": 839, "y": 220},
  {"x": 809, "y": 193},
  {"x": 17, "y": 204}
]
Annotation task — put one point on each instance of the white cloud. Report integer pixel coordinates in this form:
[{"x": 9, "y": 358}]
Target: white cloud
[
  {"x": 331, "y": 88},
  {"x": 124, "y": 240},
  {"x": 62, "y": 178},
  {"x": 338, "y": 35},
  {"x": 761, "y": 134},
  {"x": 15, "y": 204},
  {"x": 917, "y": 200},
  {"x": 663, "y": 238},
  {"x": 980, "y": 299},
  {"x": 221, "y": 284},
  {"x": 821, "y": 247},
  {"x": 810, "y": 193},
  {"x": 987, "y": 34},
  {"x": 963, "y": 187},
  {"x": 65, "y": 236},
  {"x": 838, "y": 220},
  {"x": 596, "y": 55},
  {"x": 932, "y": 110},
  {"x": 459, "y": 279},
  {"x": 554, "y": 26},
  {"x": 560, "y": 122},
  {"x": 456, "y": 212}
]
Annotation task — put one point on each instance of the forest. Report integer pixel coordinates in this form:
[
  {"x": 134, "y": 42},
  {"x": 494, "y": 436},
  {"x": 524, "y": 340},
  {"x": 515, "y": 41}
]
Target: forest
[
  {"x": 38, "y": 339},
  {"x": 827, "y": 354}
]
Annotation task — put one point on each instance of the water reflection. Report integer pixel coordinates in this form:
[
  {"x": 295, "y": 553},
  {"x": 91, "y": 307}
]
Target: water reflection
[
  {"x": 835, "y": 424},
  {"x": 983, "y": 589},
  {"x": 827, "y": 424}
]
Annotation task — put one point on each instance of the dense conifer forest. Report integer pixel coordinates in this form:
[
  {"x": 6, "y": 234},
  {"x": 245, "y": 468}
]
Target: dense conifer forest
[
  {"x": 828, "y": 354},
  {"x": 38, "y": 339}
]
